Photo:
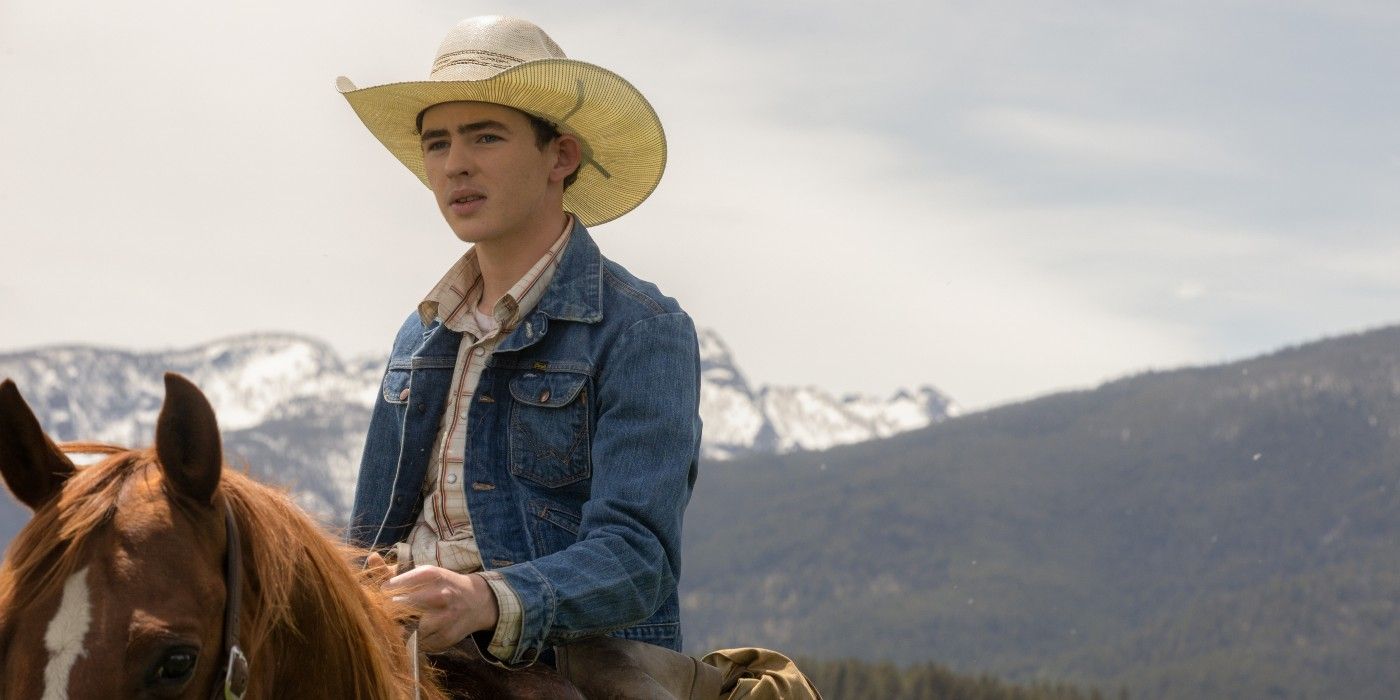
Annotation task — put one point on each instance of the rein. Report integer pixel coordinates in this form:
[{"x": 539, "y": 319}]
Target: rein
[{"x": 232, "y": 680}]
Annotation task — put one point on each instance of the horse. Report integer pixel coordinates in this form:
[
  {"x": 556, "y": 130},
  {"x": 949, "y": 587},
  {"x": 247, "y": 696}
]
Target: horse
[{"x": 159, "y": 573}]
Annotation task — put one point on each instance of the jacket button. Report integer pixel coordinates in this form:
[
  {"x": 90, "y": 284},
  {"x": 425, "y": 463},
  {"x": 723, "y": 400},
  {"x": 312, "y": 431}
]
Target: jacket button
[
  {"x": 544, "y": 396},
  {"x": 403, "y": 395}
]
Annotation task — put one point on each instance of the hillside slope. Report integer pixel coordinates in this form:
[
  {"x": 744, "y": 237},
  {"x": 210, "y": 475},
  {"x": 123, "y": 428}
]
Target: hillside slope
[{"x": 1219, "y": 531}]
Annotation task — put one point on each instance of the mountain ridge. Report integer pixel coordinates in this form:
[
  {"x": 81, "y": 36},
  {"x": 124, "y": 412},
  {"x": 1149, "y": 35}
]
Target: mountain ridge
[
  {"x": 296, "y": 393},
  {"x": 1211, "y": 531}
]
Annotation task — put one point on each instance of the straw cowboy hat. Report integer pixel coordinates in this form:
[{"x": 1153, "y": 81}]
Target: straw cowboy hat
[{"x": 512, "y": 62}]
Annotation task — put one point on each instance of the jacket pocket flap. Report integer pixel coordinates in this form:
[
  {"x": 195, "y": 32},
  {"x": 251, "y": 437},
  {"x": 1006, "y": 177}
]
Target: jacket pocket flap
[
  {"x": 547, "y": 389},
  {"x": 395, "y": 386},
  {"x": 553, "y": 513}
]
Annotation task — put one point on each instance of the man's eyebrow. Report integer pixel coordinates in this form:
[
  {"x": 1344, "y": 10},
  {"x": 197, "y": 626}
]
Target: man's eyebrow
[
  {"x": 483, "y": 125},
  {"x": 434, "y": 134}
]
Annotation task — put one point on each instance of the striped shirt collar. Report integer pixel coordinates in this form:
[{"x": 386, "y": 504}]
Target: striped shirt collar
[{"x": 459, "y": 291}]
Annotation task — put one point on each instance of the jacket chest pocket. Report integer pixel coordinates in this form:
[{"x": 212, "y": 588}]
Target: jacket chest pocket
[
  {"x": 549, "y": 424},
  {"x": 395, "y": 385}
]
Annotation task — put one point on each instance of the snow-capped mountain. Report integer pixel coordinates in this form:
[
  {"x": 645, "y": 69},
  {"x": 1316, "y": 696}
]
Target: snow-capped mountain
[
  {"x": 741, "y": 420},
  {"x": 289, "y": 407},
  {"x": 296, "y": 413},
  {"x": 114, "y": 395}
]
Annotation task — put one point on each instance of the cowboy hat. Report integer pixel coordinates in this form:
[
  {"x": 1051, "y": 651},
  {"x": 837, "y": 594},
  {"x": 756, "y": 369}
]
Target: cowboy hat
[{"x": 512, "y": 62}]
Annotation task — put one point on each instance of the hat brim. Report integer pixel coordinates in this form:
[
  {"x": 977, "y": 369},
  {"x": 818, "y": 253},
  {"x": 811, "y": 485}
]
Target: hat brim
[{"x": 624, "y": 145}]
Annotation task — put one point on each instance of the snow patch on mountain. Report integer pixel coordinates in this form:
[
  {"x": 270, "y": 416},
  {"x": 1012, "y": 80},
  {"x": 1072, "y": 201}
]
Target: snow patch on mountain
[
  {"x": 734, "y": 423},
  {"x": 808, "y": 418},
  {"x": 291, "y": 410},
  {"x": 741, "y": 420},
  {"x": 295, "y": 413},
  {"x": 115, "y": 395}
]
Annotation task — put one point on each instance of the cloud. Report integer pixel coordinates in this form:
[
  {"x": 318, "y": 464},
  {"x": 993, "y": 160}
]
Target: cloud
[
  {"x": 823, "y": 260},
  {"x": 998, "y": 200},
  {"x": 1189, "y": 290},
  {"x": 1104, "y": 142}
]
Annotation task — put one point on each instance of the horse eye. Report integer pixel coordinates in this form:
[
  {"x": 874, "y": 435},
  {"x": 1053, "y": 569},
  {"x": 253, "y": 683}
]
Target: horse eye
[{"x": 174, "y": 667}]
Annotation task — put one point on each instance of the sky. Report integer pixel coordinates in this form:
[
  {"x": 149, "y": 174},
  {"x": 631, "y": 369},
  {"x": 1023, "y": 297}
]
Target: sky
[{"x": 998, "y": 199}]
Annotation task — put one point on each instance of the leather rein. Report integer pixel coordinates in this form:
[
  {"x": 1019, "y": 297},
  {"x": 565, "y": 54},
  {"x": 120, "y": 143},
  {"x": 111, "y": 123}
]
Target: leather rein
[{"x": 231, "y": 683}]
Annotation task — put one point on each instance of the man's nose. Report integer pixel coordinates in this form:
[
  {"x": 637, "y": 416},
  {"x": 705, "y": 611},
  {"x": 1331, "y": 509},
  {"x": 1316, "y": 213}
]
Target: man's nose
[{"x": 459, "y": 160}]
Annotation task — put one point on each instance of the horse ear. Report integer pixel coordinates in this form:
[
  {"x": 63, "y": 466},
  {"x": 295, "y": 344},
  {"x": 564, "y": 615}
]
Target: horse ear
[
  {"x": 187, "y": 440},
  {"x": 34, "y": 468}
]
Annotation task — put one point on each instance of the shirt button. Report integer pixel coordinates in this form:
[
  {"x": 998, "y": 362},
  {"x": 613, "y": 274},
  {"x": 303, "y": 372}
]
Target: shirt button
[
  {"x": 479, "y": 352},
  {"x": 451, "y": 478}
]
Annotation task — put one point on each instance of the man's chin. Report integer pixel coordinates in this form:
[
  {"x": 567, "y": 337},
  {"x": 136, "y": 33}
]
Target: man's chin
[{"x": 470, "y": 232}]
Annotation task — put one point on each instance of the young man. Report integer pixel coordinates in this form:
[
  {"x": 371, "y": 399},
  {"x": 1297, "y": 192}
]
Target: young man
[{"x": 535, "y": 441}]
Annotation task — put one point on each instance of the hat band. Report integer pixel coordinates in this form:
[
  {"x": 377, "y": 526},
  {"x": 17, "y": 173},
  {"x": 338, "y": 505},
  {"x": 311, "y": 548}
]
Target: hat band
[{"x": 475, "y": 57}]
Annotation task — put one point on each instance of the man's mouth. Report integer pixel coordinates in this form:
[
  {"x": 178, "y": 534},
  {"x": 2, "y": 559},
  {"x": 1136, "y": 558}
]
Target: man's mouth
[{"x": 466, "y": 203}]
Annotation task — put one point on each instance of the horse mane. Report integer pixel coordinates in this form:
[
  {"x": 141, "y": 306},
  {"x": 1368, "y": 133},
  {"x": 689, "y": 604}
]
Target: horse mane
[
  {"x": 55, "y": 541},
  {"x": 299, "y": 590}
]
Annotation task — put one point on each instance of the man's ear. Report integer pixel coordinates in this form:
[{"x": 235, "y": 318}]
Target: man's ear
[{"x": 568, "y": 154}]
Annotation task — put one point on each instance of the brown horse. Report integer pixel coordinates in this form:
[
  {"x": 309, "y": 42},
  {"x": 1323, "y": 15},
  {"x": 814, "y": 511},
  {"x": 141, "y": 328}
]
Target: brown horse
[
  {"x": 158, "y": 573},
  {"x": 115, "y": 587}
]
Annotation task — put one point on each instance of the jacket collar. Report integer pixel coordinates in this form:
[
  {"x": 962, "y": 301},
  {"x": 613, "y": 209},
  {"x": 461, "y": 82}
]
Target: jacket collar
[{"x": 576, "y": 292}]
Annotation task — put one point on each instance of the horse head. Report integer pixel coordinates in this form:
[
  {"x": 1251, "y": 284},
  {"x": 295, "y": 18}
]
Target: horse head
[{"x": 108, "y": 591}]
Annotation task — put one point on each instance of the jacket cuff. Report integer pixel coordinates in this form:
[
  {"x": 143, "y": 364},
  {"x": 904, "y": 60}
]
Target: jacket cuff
[
  {"x": 537, "y": 603},
  {"x": 507, "y": 635}
]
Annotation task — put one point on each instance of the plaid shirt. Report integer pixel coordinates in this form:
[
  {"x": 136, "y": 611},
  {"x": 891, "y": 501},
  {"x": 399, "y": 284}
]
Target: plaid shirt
[{"x": 444, "y": 535}]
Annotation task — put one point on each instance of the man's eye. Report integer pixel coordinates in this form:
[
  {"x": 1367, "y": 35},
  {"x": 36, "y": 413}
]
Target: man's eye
[
  {"x": 488, "y": 138},
  {"x": 435, "y": 145}
]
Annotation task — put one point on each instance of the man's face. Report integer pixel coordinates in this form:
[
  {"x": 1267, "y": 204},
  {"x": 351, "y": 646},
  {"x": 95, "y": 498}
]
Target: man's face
[{"x": 490, "y": 179}]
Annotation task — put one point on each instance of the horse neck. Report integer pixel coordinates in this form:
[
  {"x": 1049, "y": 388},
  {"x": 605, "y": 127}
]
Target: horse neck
[
  {"x": 324, "y": 656},
  {"x": 313, "y": 630}
]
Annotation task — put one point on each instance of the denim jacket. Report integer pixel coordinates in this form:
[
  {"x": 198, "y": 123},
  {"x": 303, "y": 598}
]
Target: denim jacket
[{"x": 584, "y": 437}]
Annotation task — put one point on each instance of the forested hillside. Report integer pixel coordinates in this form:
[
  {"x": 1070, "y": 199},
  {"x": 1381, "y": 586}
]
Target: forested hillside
[
  {"x": 1206, "y": 532},
  {"x": 851, "y": 679}
]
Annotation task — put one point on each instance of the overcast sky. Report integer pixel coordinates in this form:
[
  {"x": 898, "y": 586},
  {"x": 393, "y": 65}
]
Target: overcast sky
[{"x": 995, "y": 198}]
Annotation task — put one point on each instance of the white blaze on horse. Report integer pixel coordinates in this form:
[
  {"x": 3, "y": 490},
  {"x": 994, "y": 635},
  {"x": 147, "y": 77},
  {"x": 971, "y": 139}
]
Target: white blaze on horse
[{"x": 66, "y": 633}]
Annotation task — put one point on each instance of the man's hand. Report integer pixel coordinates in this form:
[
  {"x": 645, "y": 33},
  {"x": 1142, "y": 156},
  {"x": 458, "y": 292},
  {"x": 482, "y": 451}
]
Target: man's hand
[
  {"x": 452, "y": 605},
  {"x": 375, "y": 570}
]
